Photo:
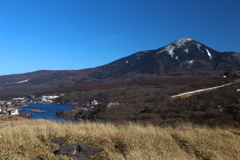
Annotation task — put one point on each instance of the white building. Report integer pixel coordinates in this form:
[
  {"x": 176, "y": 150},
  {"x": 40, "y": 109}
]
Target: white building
[
  {"x": 49, "y": 97},
  {"x": 19, "y": 99},
  {"x": 14, "y": 112},
  {"x": 94, "y": 102}
]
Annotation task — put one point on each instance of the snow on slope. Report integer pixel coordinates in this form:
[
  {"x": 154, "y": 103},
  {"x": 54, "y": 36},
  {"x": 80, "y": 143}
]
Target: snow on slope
[
  {"x": 181, "y": 41},
  {"x": 176, "y": 44},
  {"x": 209, "y": 54}
]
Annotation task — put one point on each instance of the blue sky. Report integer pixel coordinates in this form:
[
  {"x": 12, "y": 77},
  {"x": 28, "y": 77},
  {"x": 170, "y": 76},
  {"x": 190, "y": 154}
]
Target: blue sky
[{"x": 79, "y": 34}]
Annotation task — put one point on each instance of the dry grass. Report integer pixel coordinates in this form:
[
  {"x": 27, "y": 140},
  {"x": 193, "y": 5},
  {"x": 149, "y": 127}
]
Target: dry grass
[{"x": 26, "y": 139}]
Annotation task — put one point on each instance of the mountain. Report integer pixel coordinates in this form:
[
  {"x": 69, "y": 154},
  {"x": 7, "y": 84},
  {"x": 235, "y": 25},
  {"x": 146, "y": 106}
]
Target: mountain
[{"x": 182, "y": 57}]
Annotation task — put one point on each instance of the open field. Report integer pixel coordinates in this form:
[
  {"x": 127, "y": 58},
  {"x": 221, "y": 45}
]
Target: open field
[{"x": 26, "y": 139}]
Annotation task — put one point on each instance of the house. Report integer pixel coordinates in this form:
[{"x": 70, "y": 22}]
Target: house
[
  {"x": 14, "y": 112},
  {"x": 94, "y": 103},
  {"x": 2, "y": 102},
  {"x": 19, "y": 99},
  {"x": 50, "y": 97},
  {"x": 112, "y": 104},
  {"x": 47, "y": 101}
]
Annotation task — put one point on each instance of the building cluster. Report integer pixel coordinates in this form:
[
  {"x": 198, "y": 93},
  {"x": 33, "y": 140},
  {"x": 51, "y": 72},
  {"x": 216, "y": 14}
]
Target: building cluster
[
  {"x": 96, "y": 103},
  {"x": 4, "y": 108},
  {"x": 46, "y": 99},
  {"x": 9, "y": 107},
  {"x": 30, "y": 99}
]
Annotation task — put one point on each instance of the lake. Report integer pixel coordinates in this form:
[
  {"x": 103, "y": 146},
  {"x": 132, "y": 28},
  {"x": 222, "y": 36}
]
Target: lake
[{"x": 50, "y": 111}]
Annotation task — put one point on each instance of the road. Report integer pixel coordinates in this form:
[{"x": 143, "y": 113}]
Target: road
[{"x": 199, "y": 90}]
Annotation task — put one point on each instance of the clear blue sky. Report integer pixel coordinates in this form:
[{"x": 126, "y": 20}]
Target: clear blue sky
[{"x": 78, "y": 34}]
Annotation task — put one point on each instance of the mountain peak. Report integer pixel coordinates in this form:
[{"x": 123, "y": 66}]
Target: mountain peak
[
  {"x": 182, "y": 41},
  {"x": 176, "y": 44}
]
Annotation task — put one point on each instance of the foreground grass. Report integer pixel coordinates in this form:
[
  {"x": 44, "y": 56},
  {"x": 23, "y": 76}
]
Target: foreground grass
[{"x": 26, "y": 139}]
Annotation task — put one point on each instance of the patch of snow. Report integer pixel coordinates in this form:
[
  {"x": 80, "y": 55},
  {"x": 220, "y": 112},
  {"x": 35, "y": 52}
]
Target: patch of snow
[
  {"x": 209, "y": 54},
  {"x": 181, "y": 41},
  {"x": 126, "y": 62},
  {"x": 140, "y": 54},
  {"x": 191, "y": 61},
  {"x": 186, "y": 50},
  {"x": 236, "y": 55},
  {"x": 176, "y": 57},
  {"x": 161, "y": 51},
  {"x": 24, "y": 81},
  {"x": 176, "y": 44},
  {"x": 169, "y": 49},
  {"x": 198, "y": 46}
]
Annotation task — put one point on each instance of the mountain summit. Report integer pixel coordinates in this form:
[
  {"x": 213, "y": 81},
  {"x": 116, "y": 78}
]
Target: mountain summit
[
  {"x": 176, "y": 44},
  {"x": 184, "y": 56},
  {"x": 185, "y": 46}
]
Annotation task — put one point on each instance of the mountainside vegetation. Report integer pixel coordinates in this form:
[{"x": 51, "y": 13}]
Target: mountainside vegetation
[{"x": 150, "y": 100}]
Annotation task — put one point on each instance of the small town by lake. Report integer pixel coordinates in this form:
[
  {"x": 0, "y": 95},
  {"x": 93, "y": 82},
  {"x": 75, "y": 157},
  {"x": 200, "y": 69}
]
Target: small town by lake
[{"x": 47, "y": 111}]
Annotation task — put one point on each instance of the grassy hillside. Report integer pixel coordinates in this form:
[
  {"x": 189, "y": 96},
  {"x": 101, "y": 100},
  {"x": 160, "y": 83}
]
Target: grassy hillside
[{"x": 26, "y": 139}]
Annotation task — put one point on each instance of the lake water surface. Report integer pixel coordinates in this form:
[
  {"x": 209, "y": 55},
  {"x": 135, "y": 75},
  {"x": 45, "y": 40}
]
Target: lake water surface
[{"x": 50, "y": 111}]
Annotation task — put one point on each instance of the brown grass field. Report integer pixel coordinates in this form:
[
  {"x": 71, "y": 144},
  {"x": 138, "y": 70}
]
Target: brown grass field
[{"x": 26, "y": 139}]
